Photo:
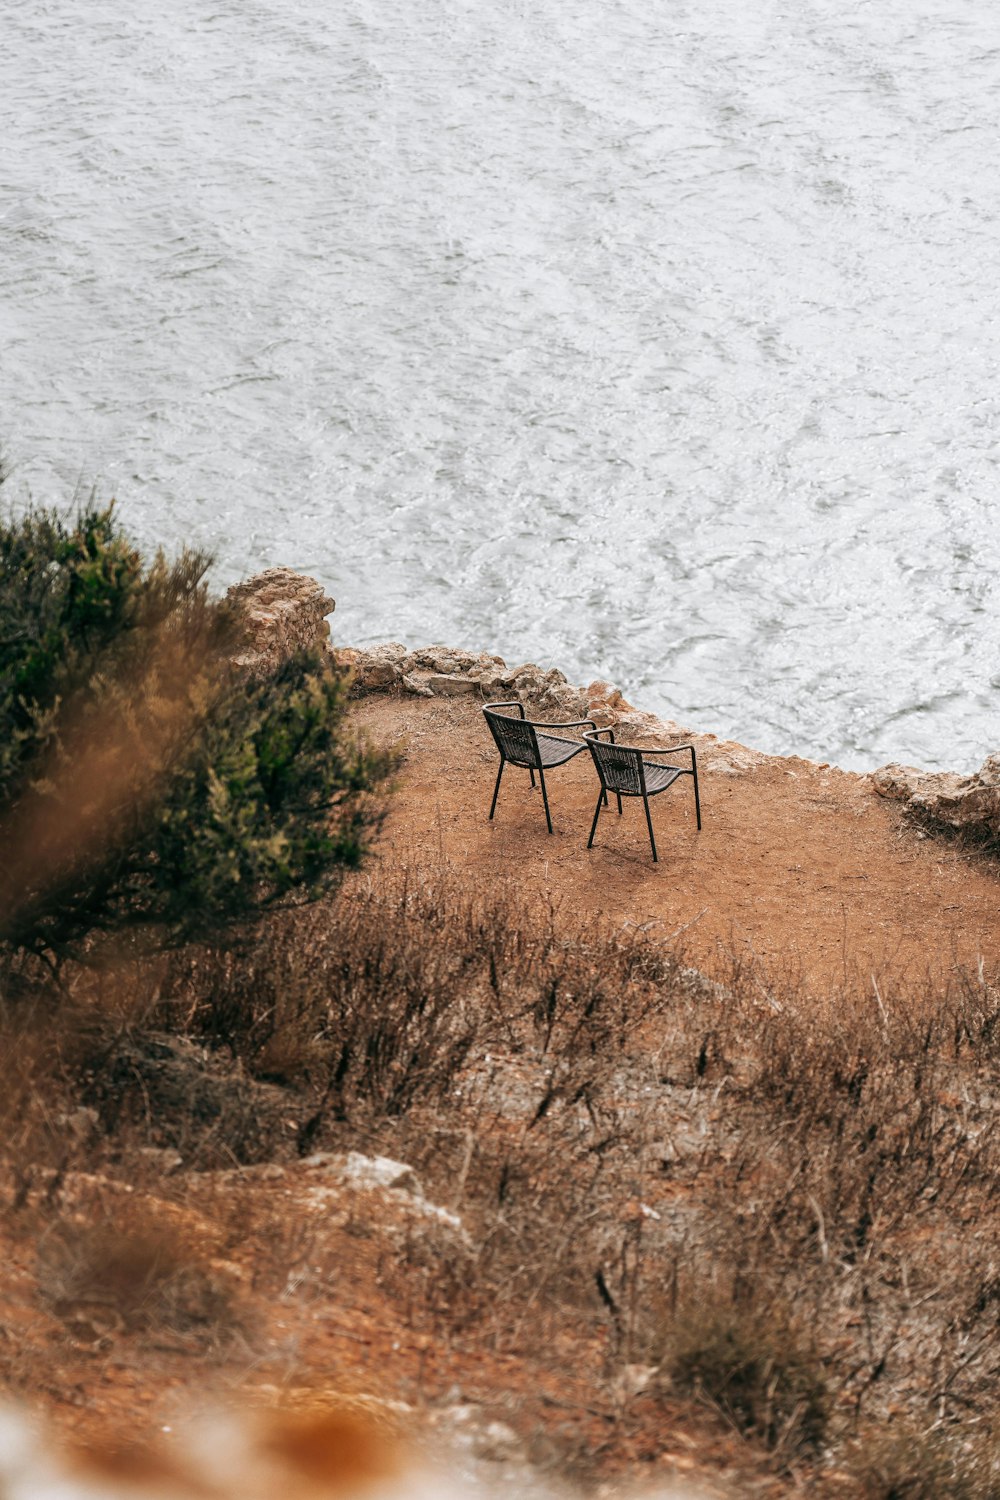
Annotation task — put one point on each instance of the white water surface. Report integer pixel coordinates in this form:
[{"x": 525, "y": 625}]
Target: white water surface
[{"x": 655, "y": 339}]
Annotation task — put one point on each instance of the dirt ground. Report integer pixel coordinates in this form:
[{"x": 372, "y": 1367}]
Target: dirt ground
[{"x": 799, "y": 868}]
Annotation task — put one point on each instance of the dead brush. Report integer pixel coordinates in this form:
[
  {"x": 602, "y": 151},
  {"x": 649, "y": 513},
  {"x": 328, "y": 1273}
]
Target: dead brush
[
  {"x": 547, "y": 1180},
  {"x": 44, "y": 1129},
  {"x": 909, "y": 1463},
  {"x": 113, "y": 1277},
  {"x": 745, "y": 1354},
  {"x": 378, "y": 1001},
  {"x": 608, "y": 1125},
  {"x": 881, "y": 1115},
  {"x": 358, "y": 1001},
  {"x": 855, "y": 1164}
]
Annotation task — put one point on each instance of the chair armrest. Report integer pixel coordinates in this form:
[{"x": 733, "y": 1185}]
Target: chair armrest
[
  {"x": 641, "y": 749},
  {"x": 672, "y": 750},
  {"x": 512, "y": 704},
  {"x": 562, "y": 723}
]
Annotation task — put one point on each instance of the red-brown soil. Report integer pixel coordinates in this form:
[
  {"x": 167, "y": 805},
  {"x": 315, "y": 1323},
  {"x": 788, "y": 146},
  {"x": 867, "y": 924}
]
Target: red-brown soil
[{"x": 800, "y": 868}]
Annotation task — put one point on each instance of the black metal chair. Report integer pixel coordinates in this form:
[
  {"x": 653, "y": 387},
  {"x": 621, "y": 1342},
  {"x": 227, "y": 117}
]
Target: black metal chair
[
  {"x": 521, "y": 743},
  {"x": 625, "y": 770}
]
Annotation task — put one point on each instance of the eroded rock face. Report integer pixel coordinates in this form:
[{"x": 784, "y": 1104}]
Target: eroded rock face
[
  {"x": 285, "y": 612},
  {"x": 969, "y": 803}
]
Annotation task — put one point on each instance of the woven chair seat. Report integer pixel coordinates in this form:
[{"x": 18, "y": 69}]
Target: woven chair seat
[
  {"x": 658, "y": 778},
  {"x": 555, "y": 751}
]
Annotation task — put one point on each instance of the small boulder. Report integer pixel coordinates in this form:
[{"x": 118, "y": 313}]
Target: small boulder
[
  {"x": 605, "y": 704},
  {"x": 380, "y": 1172},
  {"x": 442, "y": 685},
  {"x": 364, "y": 1171},
  {"x": 969, "y": 804},
  {"x": 417, "y": 685},
  {"x": 380, "y": 667}
]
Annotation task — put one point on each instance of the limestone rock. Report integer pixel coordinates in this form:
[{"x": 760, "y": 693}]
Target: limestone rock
[
  {"x": 442, "y": 685},
  {"x": 970, "y": 804},
  {"x": 79, "y": 1124},
  {"x": 900, "y": 783},
  {"x": 726, "y": 758},
  {"x": 605, "y": 704},
  {"x": 492, "y": 685},
  {"x": 609, "y": 709},
  {"x": 445, "y": 671},
  {"x": 284, "y": 612},
  {"x": 547, "y": 693},
  {"x": 448, "y": 661},
  {"x": 162, "y": 1159},
  {"x": 395, "y": 1205},
  {"x": 380, "y": 667},
  {"x": 380, "y": 1172}
]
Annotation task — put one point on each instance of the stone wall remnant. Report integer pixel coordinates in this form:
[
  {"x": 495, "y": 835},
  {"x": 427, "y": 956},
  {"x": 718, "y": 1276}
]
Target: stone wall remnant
[{"x": 284, "y": 612}]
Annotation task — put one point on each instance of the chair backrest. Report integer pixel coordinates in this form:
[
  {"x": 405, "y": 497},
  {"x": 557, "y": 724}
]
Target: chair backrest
[
  {"x": 515, "y": 738},
  {"x": 619, "y": 768}
]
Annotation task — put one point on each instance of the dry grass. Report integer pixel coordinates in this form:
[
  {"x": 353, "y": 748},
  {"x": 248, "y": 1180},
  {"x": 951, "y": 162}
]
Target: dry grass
[
  {"x": 907, "y": 1463},
  {"x": 653, "y": 1170},
  {"x": 128, "y": 1275},
  {"x": 754, "y": 1363}
]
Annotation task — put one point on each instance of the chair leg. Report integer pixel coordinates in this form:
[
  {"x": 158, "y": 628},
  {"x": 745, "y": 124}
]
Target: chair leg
[
  {"x": 619, "y": 796},
  {"x": 531, "y": 773},
  {"x": 545, "y": 798},
  {"x": 601, "y": 800},
  {"x": 697, "y": 801},
  {"x": 649, "y": 825},
  {"x": 496, "y": 791}
]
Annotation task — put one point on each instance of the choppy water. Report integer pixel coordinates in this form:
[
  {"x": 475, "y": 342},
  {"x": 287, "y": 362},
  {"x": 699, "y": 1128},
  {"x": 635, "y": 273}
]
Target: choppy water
[{"x": 656, "y": 339}]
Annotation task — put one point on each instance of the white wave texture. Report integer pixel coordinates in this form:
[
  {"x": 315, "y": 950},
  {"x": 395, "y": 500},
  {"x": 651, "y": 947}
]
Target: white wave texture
[{"x": 655, "y": 337}]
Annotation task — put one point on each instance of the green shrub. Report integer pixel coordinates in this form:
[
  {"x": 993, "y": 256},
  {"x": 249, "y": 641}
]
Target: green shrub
[{"x": 146, "y": 785}]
